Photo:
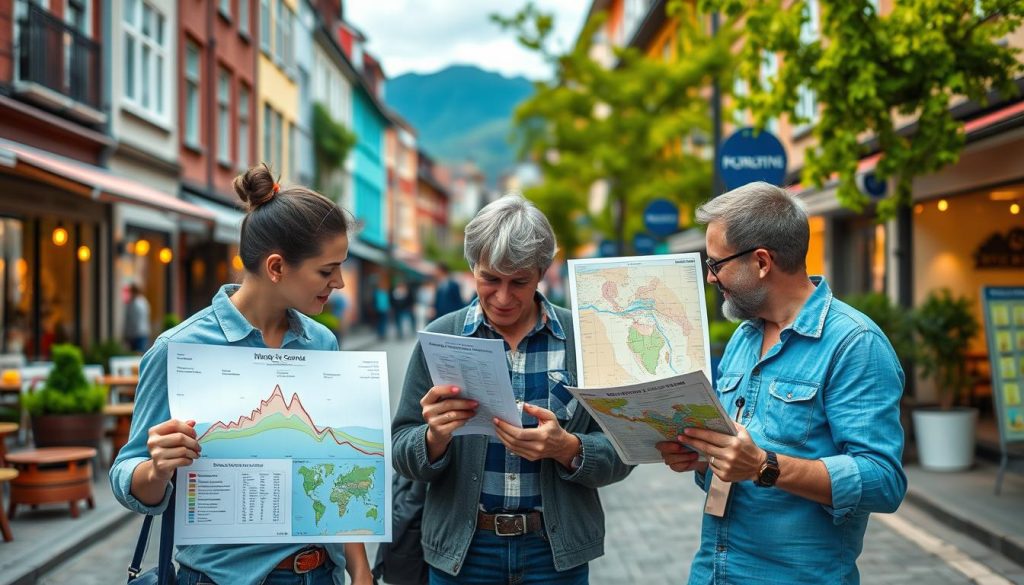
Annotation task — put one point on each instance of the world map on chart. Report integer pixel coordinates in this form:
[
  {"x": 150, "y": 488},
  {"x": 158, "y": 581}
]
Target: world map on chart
[
  {"x": 334, "y": 498},
  {"x": 639, "y": 322}
]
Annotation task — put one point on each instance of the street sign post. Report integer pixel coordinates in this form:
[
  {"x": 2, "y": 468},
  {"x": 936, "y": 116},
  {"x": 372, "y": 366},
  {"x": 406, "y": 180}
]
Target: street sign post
[
  {"x": 608, "y": 248},
  {"x": 746, "y": 157},
  {"x": 661, "y": 217},
  {"x": 643, "y": 244}
]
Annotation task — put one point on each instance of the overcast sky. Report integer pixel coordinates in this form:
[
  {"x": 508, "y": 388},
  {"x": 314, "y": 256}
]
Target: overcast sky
[{"x": 426, "y": 36}]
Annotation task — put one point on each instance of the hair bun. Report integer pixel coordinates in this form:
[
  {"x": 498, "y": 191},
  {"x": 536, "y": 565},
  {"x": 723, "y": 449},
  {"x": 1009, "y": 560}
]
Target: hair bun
[{"x": 256, "y": 186}]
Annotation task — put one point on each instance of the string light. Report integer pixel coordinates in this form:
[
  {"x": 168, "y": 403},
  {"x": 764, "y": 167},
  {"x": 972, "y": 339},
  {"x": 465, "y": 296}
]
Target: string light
[
  {"x": 1015, "y": 208},
  {"x": 142, "y": 247},
  {"x": 84, "y": 253},
  {"x": 60, "y": 235},
  {"x": 166, "y": 255},
  {"x": 943, "y": 205}
]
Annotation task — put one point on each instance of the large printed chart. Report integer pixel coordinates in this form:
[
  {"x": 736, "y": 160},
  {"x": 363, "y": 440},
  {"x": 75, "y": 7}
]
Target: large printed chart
[
  {"x": 295, "y": 445},
  {"x": 638, "y": 318}
]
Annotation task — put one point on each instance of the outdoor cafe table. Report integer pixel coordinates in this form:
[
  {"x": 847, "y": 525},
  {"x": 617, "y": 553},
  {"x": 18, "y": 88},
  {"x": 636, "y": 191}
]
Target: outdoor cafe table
[
  {"x": 122, "y": 413},
  {"x": 6, "y": 428},
  {"x": 121, "y": 385},
  {"x": 52, "y": 474}
]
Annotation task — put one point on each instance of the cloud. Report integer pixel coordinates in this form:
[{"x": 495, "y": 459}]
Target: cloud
[{"x": 424, "y": 37}]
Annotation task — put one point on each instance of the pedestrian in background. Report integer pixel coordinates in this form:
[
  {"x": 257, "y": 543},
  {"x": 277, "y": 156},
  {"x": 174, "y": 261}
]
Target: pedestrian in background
[
  {"x": 401, "y": 302},
  {"x": 448, "y": 295},
  {"x": 423, "y": 304},
  {"x": 815, "y": 387},
  {"x": 521, "y": 506},
  {"x": 136, "y": 320},
  {"x": 292, "y": 245},
  {"x": 381, "y": 308}
]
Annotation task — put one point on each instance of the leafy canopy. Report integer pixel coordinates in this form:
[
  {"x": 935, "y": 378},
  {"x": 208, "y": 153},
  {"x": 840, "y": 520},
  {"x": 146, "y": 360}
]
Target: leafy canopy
[
  {"x": 628, "y": 125},
  {"x": 873, "y": 75}
]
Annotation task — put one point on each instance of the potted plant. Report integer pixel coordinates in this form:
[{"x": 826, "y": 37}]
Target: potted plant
[
  {"x": 67, "y": 410},
  {"x": 944, "y": 326},
  {"x": 895, "y": 322}
]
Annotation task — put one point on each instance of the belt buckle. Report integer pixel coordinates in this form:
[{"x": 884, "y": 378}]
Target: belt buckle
[
  {"x": 518, "y": 523},
  {"x": 299, "y": 556}
]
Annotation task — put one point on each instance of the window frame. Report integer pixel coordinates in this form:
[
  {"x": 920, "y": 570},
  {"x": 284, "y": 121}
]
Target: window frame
[
  {"x": 224, "y": 83},
  {"x": 192, "y": 125},
  {"x": 155, "y": 74}
]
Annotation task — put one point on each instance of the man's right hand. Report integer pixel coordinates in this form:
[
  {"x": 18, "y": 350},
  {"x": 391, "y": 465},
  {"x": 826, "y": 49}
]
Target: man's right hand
[
  {"x": 680, "y": 458},
  {"x": 172, "y": 444},
  {"x": 444, "y": 412}
]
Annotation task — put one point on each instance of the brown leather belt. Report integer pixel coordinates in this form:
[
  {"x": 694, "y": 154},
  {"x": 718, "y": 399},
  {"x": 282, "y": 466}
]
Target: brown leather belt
[
  {"x": 304, "y": 560},
  {"x": 510, "y": 524}
]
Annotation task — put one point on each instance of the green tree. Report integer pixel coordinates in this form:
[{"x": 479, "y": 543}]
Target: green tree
[
  {"x": 332, "y": 142},
  {"x": 873, "y": 75},
  {"x": 629, "y": 125}
]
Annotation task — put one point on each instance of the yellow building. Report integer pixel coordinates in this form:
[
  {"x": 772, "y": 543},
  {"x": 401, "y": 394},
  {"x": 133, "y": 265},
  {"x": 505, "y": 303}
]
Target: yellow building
[{"x": 278, "y": 87}]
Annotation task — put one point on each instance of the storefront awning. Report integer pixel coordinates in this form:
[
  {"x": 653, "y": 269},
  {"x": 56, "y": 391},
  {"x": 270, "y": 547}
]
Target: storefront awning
[
  {"x": 227, "y": 227},
  {"x": 366, "y": 252},
  {"x": 105, "y": 185},
  {"x": 691, "y": 240}
]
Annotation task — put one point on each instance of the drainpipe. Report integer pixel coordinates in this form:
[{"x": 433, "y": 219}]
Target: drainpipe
[
  {"x": 107, "y": 79},
  {"x": 211, "y": 102}
]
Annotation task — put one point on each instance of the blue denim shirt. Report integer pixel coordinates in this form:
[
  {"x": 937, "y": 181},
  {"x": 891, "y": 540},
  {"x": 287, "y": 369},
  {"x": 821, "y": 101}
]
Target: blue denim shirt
[
  {"x": 828, "y": 390},
  {"x": 218, "y": 324}
]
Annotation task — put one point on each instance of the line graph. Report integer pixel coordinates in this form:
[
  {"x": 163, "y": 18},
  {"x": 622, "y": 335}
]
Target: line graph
[{"x": 280, "y": 428}]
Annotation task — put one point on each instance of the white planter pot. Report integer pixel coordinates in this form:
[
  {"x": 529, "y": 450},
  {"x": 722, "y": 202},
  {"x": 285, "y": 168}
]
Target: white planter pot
[{"x": 945, "y": 438}]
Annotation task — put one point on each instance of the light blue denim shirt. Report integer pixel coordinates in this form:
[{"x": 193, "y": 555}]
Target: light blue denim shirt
[
  {"x": 828, "y": 390},
  {"x": 218, "y": 324}
]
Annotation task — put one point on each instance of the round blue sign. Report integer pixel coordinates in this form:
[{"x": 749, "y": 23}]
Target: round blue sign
[
  {"x": 871, "y": 185},
  {"x": 608, "y": 248},
  {"x": 644, "y": 244},
  {"x": 746, "y": 157},
  {"x": 661, "y": 217}
]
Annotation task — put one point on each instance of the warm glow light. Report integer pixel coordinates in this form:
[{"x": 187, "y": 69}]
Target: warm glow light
[
  {"x": 142, "y": 247},
  {"x": 84, "y": 253},
  {"x": 60, "y": 236},
  {"x": 919, "y": 209},
  {"x": 943, "y": 205},
  {"x": 22, "y": 267},
  {"x": 166, "y": 255},
  {"x": 1015, "y": 208},
  {"x": 236, "y": 262}
]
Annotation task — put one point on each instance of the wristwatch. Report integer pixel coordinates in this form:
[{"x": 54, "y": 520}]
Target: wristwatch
[
  {"x": 769, "y": 472},
  {"x": 577, "y": 461}
]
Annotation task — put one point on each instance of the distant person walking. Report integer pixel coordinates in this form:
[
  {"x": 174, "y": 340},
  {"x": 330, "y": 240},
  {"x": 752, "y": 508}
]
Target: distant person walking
[
  {"x": 382, "y": 309},
  {"x": 136, "y": 320},
  {"x": 401, "y": 302},
  {"x": 448, "y": 297}
]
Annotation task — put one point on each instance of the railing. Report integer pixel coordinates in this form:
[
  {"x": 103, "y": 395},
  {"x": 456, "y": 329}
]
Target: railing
[{"x": 58, "y": 57}]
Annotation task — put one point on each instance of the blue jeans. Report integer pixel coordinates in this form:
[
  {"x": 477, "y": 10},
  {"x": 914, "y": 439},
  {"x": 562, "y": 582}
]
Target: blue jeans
[
  {"x": 511, "y": 560},
  {"x": 318, "y": 576}
]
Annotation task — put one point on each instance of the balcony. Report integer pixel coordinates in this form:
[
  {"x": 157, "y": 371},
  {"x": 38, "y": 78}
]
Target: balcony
[{"x": 58, "y": 66}]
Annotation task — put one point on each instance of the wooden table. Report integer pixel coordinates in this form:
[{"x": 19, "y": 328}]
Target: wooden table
[
  {"x": 52, "y": 474},
  {"x": 6, "y": 474},
  {"x": 122, "y": 414},
  {"x": 6, "y": 428},
  {"x": 121, "y": 385}
]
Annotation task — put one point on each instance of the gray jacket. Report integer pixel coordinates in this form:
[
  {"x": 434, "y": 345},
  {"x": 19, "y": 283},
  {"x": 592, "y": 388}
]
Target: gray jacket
[{"x": 573, "y": 518}]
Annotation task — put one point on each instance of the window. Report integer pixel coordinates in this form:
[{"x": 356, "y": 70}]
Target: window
[
  {"x": 193, "y": 77},
  {"x": 145, "y": 58},
  {"x": 293, "y": 150},
  {"x": 287, "y": 50},
  {"x": 806, "y": 108},
  {"x": 272, "y": 137},
  {"x": 224, "y": 7},
  {"x": 811, "y": 25},
  {"x": 265, "y": 25},
  {"x": 268, "y": 128},
  {"x": 769, "y": 74},
  {"x": 243, "y": 16},
  {"x": 278, "y": 43},
  {"x": 224, "y": 117},
  {"x": 244, "y": 153},
  {"x": 739, "y": 91}
]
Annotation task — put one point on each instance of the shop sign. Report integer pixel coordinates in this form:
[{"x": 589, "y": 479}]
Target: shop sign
[
  {"x": 870, "y": 185},
  {"x": 608, "y": 248},
  {"x": 661, "y": 217},
  {"x": 747, "y": 156},
  {"x": 1001, "y": 251},
  {"x": 643, "y": 244}
]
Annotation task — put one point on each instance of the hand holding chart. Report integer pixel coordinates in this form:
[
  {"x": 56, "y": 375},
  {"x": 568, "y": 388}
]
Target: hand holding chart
[{"x": 478, "y": 367}]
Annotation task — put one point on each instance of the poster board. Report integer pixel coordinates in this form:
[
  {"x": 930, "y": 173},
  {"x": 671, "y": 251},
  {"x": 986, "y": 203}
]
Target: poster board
[{"x": 1004, "y": 334}]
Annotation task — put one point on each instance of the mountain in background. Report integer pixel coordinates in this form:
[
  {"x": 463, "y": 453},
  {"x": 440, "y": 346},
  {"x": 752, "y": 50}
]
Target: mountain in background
[{"x": 462, "y": 112}]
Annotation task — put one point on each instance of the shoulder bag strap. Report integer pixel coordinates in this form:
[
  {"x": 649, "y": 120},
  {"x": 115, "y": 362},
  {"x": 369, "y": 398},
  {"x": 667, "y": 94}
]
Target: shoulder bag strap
[
  {"x": 140, "y": 549},
  {"x": 166, "y": 566}
]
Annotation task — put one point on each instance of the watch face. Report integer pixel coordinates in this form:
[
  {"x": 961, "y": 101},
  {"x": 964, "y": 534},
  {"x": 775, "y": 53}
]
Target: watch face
[{"x": 769, "y": 473}]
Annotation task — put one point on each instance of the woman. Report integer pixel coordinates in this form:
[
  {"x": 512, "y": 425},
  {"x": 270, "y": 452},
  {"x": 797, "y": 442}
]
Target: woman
[{"x": 292, "y": 245}]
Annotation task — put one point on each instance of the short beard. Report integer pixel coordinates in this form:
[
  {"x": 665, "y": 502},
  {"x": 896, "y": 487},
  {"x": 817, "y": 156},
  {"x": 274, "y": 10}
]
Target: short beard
[{"x": 745, "y": 300}]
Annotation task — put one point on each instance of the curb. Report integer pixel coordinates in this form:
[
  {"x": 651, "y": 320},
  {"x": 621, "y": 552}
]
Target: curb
[
  {"x": 1004, "y": 544},
  {"x": 63, "y": 549}
]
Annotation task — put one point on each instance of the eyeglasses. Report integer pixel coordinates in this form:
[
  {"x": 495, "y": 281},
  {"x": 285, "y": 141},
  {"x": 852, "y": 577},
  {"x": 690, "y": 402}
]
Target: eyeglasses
[{"x": 715, "y": 265}]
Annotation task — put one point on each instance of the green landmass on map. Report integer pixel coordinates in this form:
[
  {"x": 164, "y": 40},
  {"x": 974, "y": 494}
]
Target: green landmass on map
[
  {"x": 646, "y": 347},
  {"x": 683, "y": 416},
  {"x": 313, "y": 478},
  {"x": 357, "y": 483}
]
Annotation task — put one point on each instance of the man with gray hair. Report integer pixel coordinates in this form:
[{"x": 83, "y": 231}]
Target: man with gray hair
[
  {"x": 521, "y": 507},
  {"x": 815, "y": 387}
]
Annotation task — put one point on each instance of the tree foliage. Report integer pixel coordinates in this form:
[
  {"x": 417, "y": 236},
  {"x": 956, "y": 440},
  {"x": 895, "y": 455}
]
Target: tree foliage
[
  {"x": 873, "y": 75},
  {"x": 332, "y": 141},
  {"x": 630, "y": 125}
]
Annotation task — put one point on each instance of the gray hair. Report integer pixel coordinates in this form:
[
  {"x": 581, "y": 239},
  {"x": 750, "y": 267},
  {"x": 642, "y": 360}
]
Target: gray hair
[
  {"x": 510, "y": 234},
  {"x": 761, "y": 215}
]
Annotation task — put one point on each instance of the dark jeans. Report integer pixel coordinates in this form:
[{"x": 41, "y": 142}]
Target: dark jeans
[
  {"x": 402, "y": 318},
  {"x": 320, "y": 576},
  {"x": 519, "y": 560}
]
